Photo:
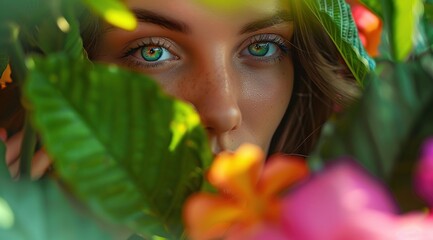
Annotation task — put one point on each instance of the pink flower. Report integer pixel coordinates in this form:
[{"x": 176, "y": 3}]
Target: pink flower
[
  {"x": 345, "y": 203},
  {"x": 424, "y": 173}
]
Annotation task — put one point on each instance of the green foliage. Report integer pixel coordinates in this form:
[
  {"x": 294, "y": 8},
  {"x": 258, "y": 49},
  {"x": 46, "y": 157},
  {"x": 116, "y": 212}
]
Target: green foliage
[
  {"x": 133, "y": 154},
  {"x": 3, "y": 60},
  {"x": 340, "y": 26},
  {"x": 376, "y": 129},
  {"x": 40, "y": 211},
  {"x": 2, "y": 152},
  {"x": 384, "y": 129},
  {"x": 428, "y": 9},
  {"x": 374, "y": 5},
  {"x": 128, "y": 150},
  {"x": 51, "y": 27},
  {"x": 401, "y": 17},
  {"x": 427, "y": 22},
  {"x": 114, "y": 12}
]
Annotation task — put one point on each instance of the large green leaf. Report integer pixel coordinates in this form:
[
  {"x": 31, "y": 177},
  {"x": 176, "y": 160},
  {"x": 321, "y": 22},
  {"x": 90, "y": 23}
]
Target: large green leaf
[
  {"x": 128, "y": 150},
  {"x": 378, "y": 128},
  {"x": 40, "y": 211},
  {"x": 336, "y": 18}
]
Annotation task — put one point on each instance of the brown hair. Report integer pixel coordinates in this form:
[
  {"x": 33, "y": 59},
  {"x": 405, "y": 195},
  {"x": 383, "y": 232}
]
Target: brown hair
[{"x": 322, "y": 82}]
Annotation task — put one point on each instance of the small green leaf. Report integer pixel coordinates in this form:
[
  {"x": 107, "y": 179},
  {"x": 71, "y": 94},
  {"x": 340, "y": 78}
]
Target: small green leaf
[
  {"x": 128, "y": 150},
  {"x": 114, "y": 12},
  {"x": 337, "y": 20},
  {"x": 404, "y": 26}
]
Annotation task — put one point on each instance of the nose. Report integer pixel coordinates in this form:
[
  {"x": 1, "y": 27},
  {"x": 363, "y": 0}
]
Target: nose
[{"x": 213, "y": 90}]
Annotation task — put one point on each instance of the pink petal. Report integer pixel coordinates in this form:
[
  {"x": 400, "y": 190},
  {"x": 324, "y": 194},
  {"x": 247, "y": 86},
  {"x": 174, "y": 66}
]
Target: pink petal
[
  {"x": 414, "y": 227},
  {"x": 329, "y": 202}
]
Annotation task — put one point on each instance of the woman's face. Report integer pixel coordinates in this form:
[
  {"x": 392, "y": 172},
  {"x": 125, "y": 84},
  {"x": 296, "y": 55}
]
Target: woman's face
[{"x": 234, "y": 66}]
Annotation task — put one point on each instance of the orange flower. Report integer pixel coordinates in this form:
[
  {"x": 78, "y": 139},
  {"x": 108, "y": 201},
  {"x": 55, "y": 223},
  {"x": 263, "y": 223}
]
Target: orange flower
[
  {"x": 5, "y": 77},
  {"x": 369, "y": 27},
  {"x": 249, "y": 194}
]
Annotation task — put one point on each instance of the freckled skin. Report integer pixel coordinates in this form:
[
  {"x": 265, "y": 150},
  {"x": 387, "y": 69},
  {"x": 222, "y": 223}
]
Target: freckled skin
[{"x": 239, "y": 98}]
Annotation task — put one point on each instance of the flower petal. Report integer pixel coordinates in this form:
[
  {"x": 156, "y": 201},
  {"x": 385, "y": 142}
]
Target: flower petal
[
  {"x": 320, "y": 208},
  {"x": 237, "y": 174},
  {"x": 208, "y": 216},
  {"x": 280, "y": 172},
  {"x": 259, "y": 232}
]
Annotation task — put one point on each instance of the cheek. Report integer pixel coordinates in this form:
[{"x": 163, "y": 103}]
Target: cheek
[{"x": 266, "y": 95}]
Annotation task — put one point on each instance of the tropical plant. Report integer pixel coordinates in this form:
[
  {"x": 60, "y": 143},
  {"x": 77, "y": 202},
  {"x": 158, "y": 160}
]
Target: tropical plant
[
  {"x": 128, "y": 156},
  {"x": 131, "y": 153}
]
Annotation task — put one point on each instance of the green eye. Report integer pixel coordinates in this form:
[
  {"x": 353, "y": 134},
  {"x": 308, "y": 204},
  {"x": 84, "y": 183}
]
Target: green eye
[
  {"x": 258, "y": 49},
  {"x": 151, "y": 53}
]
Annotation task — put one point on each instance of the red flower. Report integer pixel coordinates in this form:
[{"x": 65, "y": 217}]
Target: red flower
[
  {"x": 369, "y": 27},
  {"x": 345, "y": 203}
]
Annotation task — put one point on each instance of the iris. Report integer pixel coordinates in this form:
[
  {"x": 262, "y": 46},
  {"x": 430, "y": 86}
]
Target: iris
[
  {"x": 259, "y": 49},
  {"x": 151, "y": 53}
]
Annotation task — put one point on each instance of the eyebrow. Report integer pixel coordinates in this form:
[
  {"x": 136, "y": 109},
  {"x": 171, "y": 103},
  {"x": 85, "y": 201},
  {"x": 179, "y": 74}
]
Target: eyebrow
[
  {"x": 279, "y": 17},
  {"x": 160, "y": 20},
  {"x": 143, "y": 15}
]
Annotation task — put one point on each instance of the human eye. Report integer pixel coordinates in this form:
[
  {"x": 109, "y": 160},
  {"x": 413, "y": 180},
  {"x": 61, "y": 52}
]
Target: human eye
[
  {"x": 266, "y": 48},
  {"x": 149, "y": 52}
]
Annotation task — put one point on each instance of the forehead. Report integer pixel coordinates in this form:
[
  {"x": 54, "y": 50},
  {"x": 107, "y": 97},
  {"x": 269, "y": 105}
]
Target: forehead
[{"x": 220, "y": 10}]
